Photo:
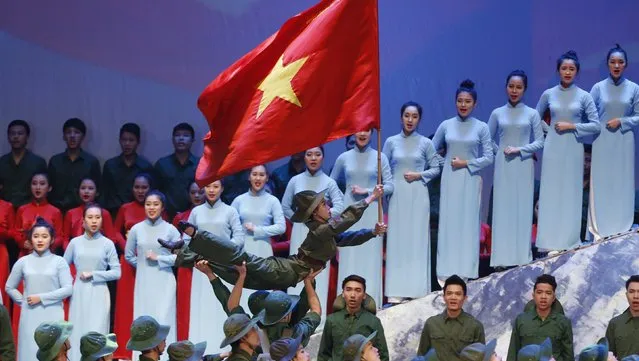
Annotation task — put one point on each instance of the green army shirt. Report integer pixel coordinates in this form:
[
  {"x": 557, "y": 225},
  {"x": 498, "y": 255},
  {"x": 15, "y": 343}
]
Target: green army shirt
[
  {"x": 7, "y": 347},
  {"x": 529, "y": 328},
  {"x": 341, "y": 325},
  {"x": 239, "y": 355},
  {"x": 448, "y": 336},
  {"x": 623, "y": 335}
]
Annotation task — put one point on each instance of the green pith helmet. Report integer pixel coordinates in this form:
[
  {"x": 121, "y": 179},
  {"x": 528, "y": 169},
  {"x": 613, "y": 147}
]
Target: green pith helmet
[
  {"x": 478, "y": 351},
  {"x": 304, "y": 203},
  {"x": 146, "y": 333},
  {"x": 50, "y": 336},
  {"x": 598, "y": 352},
  {"x": 95, "y": 345},
  {"x": 285, "y": 349},
  {"x": 186, "y": 351},
  {"x": 534, "y": 352},
  {"x": 278, "y": 305},
  {"x": 354, "y": 346},
  {"x": 236, "y": 326},
  {"x": 256, "y": 301}
]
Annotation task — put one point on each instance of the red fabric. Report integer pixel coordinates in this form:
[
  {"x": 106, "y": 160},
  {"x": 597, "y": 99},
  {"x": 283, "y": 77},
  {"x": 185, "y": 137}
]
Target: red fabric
[
  {"x": 281, "y": 244},
  {"x": 15, "y": 316},
  {"x": 73, "y": 224},
  {"x": 184, "y": 276},
  {"x": 7, "y": 218},
  {"x": 129, "y": 215},
  {"x": 485, "y": 241},
  {"x": 26, "y": 216},
  {"x": 327, "y": 62}
]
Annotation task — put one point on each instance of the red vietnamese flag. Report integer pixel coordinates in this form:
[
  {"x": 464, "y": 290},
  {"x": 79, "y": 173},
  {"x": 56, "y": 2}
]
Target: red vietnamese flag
[{"x": 315, "y": 80}]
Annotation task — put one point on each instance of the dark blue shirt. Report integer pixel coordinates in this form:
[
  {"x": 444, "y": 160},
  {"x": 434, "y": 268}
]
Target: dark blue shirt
[
  {"x": 118, "y": 178},
  {"x": 65, "y": 176},
  {"x": 281, "y": 176},
  {"x": 174, "y": 180},
  {"x": 16, "y": 178}
]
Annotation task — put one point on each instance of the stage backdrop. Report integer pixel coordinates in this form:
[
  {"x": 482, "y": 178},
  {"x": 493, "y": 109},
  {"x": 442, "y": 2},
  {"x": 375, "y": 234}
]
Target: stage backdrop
[{"x": 111, "y": 62}]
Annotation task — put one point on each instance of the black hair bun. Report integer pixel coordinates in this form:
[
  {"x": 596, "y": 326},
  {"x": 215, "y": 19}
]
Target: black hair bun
[
  {"x": 39, "y": 221},
  {"x": 572, "y": 54},
  {"x": 468, "y": 84}
]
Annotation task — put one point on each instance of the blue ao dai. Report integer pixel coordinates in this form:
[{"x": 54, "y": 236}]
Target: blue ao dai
[
  {"x": 562, "y": 168},
  {"x": 47, "y": 276},
  {"x": 317, "y": 182},
  {"x": 91, "y": 301},
  {"x": 513, "y": 183},
  {"x": 408, "y": 239},
  {"x": 207, "y": 315},
  {"x": 264, "y": 211},
  {"x": 155, "y": 287},
  {"x": 359, "y": 167},
  {"x": 612, "y": 182},
  {"x": 460, "y": 199}
]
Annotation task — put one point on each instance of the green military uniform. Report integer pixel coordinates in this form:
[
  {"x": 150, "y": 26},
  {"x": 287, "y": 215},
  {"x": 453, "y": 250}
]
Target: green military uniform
[
  {"x": 340, "y": 325},
  {"x": 7, "y": 346},
  {"x": 275, "y": 273},
  {"x": 304, "y": 328},
  {"x": 239, "y": 355},
  {"x": 623, "y": 335},
  {"x": 448, "y": 336},
  {"x": 555, "y": 307},
  {"x": 529, "y": 328}
]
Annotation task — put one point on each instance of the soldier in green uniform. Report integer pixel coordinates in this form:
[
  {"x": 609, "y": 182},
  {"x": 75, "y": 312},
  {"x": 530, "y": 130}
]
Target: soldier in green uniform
[
  {"x": 350, "y": 320},
  {"x": 479, "y": 352},
  {"x": 7, "y": 346},
  {"x": 241, "y": 333},
  {"x": 534, "y": 352},
  {"x": 95, "y": 346},
  {"x": 148, "y": 337},
  {"x": 278, "y": 311},
  {"x": 598, "y": 352},
  {"x": 452, "y": 330},
  {"x": 533, "y": 327},
  {"x": 360, "y": 348},
  {"x": 325, "y": 235},
  {"x": 623, "y": 330},
  {"x": 52, "y": 339}
]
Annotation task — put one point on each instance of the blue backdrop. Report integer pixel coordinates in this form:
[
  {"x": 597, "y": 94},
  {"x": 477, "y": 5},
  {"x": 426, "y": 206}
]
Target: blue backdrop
[{"x": 110, "y": 62}]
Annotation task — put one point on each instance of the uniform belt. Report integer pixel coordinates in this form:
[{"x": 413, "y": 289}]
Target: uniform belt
[{"x": 313, "y": 263}]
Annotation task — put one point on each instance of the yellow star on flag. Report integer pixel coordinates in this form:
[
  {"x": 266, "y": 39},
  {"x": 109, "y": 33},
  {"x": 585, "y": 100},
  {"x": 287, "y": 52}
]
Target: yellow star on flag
[{"x": 277, "y": 84}]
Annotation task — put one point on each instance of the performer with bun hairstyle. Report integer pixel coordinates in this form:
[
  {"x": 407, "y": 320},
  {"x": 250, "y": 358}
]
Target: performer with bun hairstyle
[{"x": 468, "y": 150}]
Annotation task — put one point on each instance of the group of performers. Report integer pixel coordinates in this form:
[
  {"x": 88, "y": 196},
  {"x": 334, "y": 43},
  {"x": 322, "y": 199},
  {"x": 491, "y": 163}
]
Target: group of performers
[{"x": 227, "y": 236}]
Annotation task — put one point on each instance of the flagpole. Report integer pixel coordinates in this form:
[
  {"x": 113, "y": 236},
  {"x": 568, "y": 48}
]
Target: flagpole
[{"x": 380, "y": 212}]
